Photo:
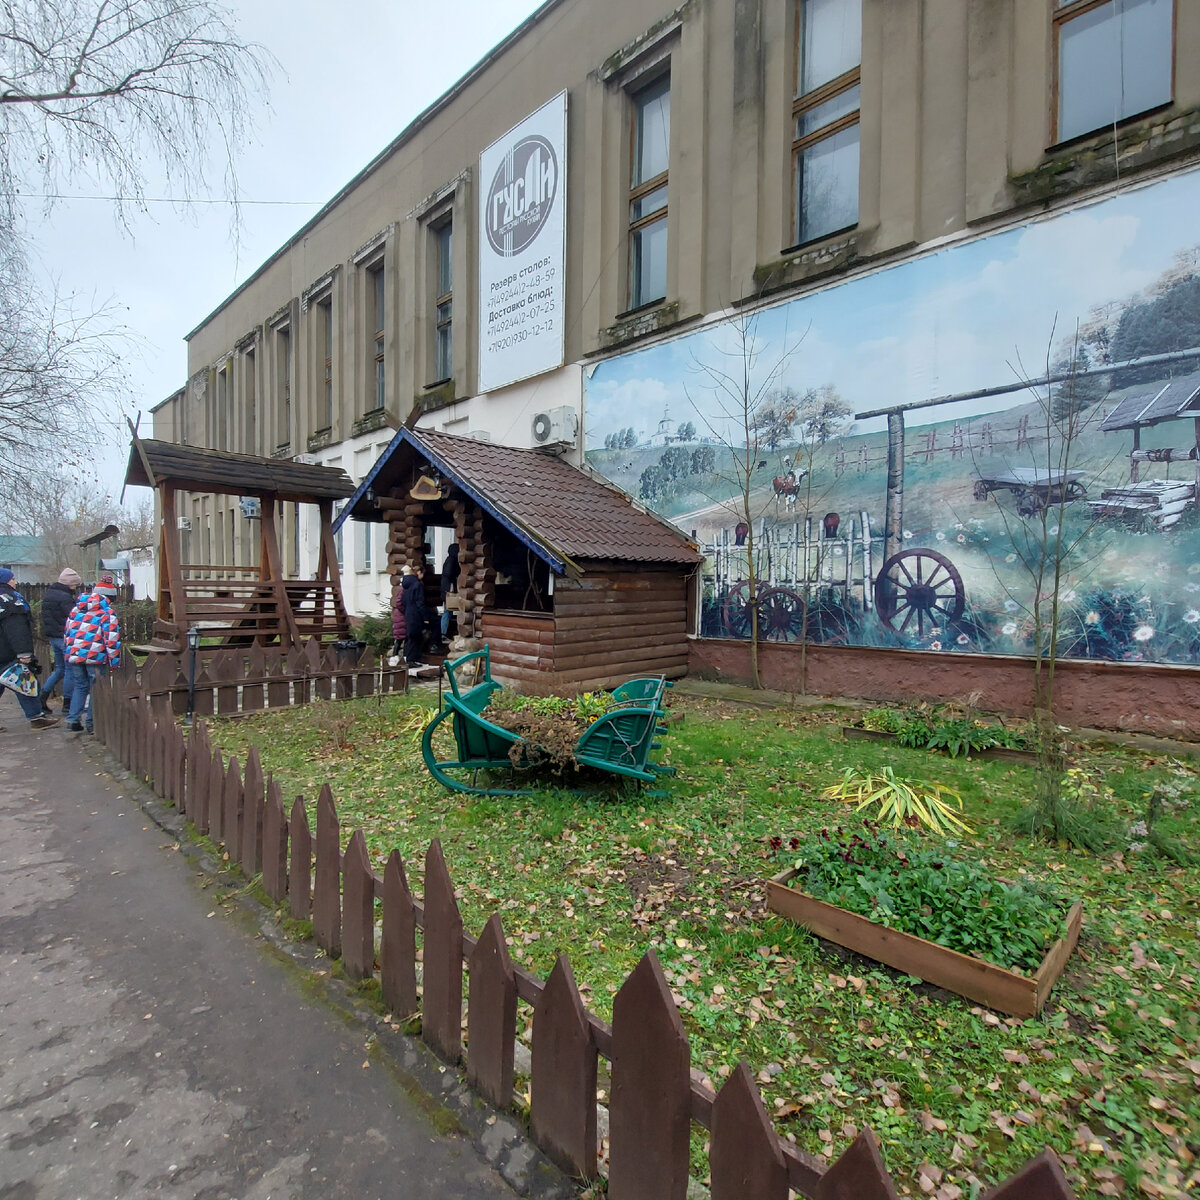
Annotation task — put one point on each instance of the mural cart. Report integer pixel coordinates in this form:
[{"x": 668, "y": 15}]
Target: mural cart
[
  {"x": 1034, "y": 490},
  {"x": 916, "y": 591}
]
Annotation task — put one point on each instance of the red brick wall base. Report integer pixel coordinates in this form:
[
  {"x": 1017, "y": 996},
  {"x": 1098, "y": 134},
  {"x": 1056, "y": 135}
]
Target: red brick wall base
[{"x": 1131, "y": 697}]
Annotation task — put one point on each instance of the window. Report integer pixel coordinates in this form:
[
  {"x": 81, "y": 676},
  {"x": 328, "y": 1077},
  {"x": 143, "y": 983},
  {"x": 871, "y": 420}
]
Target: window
[
  {"x": 283, "y": 376},
  {"x": 651, "y": 143},
  {"x": 221, "y": 439},
  {"x": 251, "y": 446},
  {"x": 375, "y": 295},
  {"x": 825, "y": 117},
  {"x": 339, "y": 537},
  {"x": 364, "y": 537},
  {"x": 443, "y": 304},
  {"x": 1114, "y": 61},
  {"x": 325, "y": 333}
]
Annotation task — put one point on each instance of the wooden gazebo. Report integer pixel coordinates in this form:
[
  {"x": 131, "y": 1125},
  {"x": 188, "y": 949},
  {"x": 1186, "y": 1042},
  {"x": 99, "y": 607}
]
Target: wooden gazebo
[
  {"x": 569, "y": 583},
  {"x": 241, "y": 604}
]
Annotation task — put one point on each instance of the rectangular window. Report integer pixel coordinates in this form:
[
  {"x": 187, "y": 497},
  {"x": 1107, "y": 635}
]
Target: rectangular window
[
  {"x": 363, "y": 537},
  {"x": 251, "y": 404},
  {"x": 1115, "y": 60},
  {"x": 825, "y": 117},
  {"x": 377, "y": 301},
  {"x": 283, "y": 375},
  {"x": 339, "y": 537},
  {"x": 443, "y": 304},
  {"x": 221, "y": 441},
  {"x": 325, "y": 316},
  {"x": 651, "y": 147}
]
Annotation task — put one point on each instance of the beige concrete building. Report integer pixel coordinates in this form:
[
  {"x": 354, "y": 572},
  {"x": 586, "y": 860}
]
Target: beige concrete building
[{"x": 719, "y": 153}]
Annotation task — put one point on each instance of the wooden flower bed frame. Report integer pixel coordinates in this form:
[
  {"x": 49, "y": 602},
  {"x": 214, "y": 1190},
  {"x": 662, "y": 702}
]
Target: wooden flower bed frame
[{"x": 984, "y": 982}]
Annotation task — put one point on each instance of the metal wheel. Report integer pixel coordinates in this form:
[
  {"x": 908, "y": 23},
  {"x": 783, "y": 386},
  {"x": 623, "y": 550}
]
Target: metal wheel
[
  {"x": 735, "y": 612},
  {"x": 780, "y": 615},
  {"x": 919, "y": 591}
]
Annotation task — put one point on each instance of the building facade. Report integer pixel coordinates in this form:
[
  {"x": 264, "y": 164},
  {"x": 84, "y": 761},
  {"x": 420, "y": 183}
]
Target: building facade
[{"x": 710, "y": 161}]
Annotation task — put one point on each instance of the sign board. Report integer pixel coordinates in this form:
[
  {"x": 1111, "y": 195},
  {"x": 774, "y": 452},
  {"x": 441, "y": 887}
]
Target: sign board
[{"x": 522, "y": 248}]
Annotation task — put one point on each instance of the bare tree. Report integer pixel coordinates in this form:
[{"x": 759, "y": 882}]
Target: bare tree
[
  {"x": 108, "y": 88},
  {"x": 61, "y": 374},
  {"x": 743, "y": 396}
]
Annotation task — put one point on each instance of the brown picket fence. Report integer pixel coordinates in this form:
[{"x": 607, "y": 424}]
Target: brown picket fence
[
  {"x": 237, "y": 681},
  {"x": 654, "y": 1096}
]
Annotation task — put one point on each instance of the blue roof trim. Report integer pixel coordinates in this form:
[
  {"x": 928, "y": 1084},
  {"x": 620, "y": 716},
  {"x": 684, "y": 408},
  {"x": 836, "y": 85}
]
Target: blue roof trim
[{"x": 556, "y": 563}]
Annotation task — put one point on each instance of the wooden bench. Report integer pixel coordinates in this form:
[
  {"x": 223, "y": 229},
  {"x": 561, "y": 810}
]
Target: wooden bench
[{"x": 619, "y": 741}]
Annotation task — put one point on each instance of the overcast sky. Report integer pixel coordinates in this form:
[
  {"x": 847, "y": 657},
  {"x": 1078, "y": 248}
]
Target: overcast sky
[{"x": 350, "y": 77}]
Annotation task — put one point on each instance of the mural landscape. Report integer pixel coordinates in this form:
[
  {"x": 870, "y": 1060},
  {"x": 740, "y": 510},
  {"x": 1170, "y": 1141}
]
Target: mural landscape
[{"x": 951, "y": 454}]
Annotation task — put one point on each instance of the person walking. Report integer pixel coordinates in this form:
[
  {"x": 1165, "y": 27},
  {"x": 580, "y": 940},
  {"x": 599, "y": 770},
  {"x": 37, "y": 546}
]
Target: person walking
[
  {"x": 57, "y": 602},
  {"x": 412, "y": 593},
  {"x": 450, "y": 573},
  {"x": 92, "y": 642},
  {"x": 16, "y": 646}
]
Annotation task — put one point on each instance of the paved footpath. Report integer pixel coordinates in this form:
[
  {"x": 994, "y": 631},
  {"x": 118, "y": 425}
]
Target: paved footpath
[{"x": 153, "y": 1044}]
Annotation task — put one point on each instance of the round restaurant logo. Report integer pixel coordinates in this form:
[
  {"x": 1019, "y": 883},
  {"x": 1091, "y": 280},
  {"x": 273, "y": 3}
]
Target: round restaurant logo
[{"x": 522, "y": 195}]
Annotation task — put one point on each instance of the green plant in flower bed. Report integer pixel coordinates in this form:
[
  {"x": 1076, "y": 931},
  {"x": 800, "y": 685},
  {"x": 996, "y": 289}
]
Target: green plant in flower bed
[
  {"x": 939, "y": 729},
  {"x": 921, "y": 890},
  {"x": 900, "y": 801},
  {"x": 1108, "y": 1075}
]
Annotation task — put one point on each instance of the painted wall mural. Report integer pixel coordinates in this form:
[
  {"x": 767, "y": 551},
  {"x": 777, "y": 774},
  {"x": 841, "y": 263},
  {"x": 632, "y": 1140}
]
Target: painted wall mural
[{"x": 950, "y": 454}]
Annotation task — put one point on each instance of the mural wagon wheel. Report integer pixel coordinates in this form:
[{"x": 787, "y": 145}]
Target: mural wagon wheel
[
  {"x": 919, "y": 591},
  {"x": 780, "y": 615},
  {"x": 735, "y": 612}
]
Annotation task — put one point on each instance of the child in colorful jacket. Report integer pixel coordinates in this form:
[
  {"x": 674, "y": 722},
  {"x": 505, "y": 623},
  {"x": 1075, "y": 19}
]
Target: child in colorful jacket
[{"x": 92, "y": 645}]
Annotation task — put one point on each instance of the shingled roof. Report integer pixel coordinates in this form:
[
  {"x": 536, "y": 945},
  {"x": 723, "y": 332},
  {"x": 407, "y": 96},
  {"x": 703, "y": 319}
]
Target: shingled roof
[
  {"x": 196, "y": 469},
  {"x": 564, "y": 514},
  {"x": 1155, "y": 402}
]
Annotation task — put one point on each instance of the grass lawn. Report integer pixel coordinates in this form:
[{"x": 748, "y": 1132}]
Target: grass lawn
[{"x": 1109, "y": 1075}]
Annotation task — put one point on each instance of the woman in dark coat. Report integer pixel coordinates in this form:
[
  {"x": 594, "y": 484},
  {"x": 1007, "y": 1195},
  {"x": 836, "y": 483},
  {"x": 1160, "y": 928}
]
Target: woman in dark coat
[{"x": 412, "y": 598}]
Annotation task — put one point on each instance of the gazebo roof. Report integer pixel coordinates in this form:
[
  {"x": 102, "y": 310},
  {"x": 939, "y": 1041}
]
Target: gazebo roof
[
  {"x": 1155, "y": 402},
  {"x": 196, "y": 469},
  {"x": 563, "y": 514}
]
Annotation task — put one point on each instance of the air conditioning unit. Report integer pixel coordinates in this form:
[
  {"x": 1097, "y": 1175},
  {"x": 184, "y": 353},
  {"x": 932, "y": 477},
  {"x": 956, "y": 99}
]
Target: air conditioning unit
[
  {"x": 556, "y": 427},
  {"x": 184, "y": 523}
]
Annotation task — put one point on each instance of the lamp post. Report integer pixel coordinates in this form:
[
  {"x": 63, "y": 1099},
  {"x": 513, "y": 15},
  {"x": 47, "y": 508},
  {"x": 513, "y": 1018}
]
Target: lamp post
[{"x": 193, "y": 641}]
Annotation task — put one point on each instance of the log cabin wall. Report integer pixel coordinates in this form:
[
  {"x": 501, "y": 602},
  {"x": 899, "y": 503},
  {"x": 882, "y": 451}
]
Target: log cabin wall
[{"x": 611, "y": 625}]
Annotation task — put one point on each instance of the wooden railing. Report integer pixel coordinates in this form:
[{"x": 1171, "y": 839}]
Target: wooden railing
[
  {"x": 655, "y": 1095},
  {"x": 229, "y": 682}
]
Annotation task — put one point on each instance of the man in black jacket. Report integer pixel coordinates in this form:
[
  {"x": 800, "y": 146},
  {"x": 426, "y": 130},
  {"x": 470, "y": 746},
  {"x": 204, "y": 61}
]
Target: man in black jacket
[
  {"x": 57, "y": 603},
  {"x": 16, "y": 644}
]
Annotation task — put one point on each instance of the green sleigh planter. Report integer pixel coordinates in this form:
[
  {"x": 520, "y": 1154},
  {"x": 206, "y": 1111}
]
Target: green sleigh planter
[{"x": 619, "y": 741}]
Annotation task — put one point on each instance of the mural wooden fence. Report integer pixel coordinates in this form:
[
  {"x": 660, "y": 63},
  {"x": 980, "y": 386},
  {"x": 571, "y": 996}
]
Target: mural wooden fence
[
  {"x": 655, "y": 1095},
  {"x": 236, "y": 681},
  {"x": 799, "y": 555}
]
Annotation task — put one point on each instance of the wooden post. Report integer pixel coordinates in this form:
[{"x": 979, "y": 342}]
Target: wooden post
[
  {"x": 745, "y": 1158},
  {"x": 650, "y": 1113},
  {"x": 859, "y": 1174},
  {"x": 234, "y": 813},
  {"x": 275, "y": 842},
  {"x": 441, "y": 1012},
  {"x": 1041, "y": 1178},
  {"x": 491, "y": 1016},
  {"x": 398, "y": 971},
  {"x": 252, "y": 821},
  {"x": 327, "y": 899},
  {"x": 216, "y": 797},
  {"x": 300, "y": 868},
  {"x": 563, "y": 1110},
  {"x": 358, "y": 917}
]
